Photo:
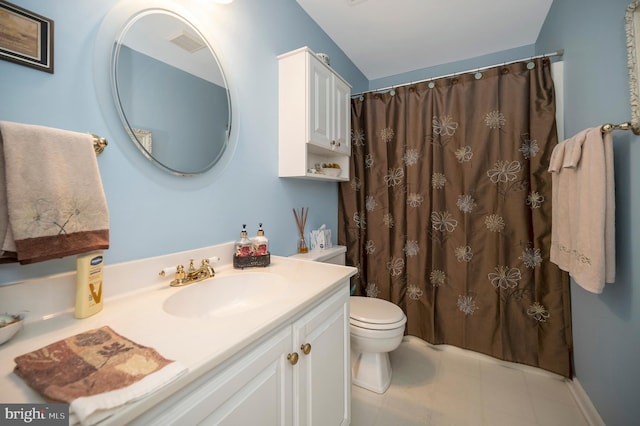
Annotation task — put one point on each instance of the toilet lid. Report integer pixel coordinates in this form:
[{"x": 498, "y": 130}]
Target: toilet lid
[{"x": 369, "y": 312}]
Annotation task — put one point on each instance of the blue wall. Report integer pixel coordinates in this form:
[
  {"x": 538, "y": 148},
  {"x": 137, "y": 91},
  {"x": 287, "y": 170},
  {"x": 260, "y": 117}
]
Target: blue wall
[
  {"x": 151, "y": 211},
  {"x": 454, "y": 67},
  {"x": 606, "y": 327}
]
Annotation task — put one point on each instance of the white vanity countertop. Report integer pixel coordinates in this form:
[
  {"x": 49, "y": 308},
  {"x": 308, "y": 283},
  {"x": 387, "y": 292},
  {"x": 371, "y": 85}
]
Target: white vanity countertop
[{"x": 198, "y": 344}]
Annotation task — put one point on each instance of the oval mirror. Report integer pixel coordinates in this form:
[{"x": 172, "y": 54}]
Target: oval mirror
[{"x": 170, "y": 92}]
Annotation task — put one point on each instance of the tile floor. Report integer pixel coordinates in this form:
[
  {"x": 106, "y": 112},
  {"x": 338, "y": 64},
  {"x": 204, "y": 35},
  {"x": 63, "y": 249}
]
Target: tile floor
[{"x": 439, "y": 386}]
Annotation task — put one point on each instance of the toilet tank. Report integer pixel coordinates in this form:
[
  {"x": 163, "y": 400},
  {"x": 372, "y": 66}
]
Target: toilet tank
[{"x": 335, "y": 255}]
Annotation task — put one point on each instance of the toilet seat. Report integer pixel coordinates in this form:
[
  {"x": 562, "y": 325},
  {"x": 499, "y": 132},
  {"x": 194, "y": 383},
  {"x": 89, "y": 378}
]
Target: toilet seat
[
  {"x": 375, "y": 314},
  {"x": 376, "y": 333},
  {"x": 374, "y": 326}
]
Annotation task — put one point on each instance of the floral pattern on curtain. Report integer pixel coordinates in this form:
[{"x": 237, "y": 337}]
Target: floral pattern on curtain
[{"x": 448, "y": 212}]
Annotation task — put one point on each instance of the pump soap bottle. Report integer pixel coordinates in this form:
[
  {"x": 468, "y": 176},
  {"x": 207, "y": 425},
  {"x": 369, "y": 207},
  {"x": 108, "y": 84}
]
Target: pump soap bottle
[
  {"x": 89, "y": 284},
  {"x": 243, "y": 247},
  {"x": 260, "y": 243}
]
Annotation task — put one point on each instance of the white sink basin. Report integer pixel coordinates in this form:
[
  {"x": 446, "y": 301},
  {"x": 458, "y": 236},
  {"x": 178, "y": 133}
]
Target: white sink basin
[{"x": 227, "y": 295}]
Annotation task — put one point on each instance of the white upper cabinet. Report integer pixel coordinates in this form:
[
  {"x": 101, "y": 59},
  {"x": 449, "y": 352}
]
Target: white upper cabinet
[{"x": 314, "y": 117}]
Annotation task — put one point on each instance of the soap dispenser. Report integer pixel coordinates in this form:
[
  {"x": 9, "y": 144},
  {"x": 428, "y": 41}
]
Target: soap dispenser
[
  {"x": 260, "y": 243},
  {"x": 243, "y": 247}
]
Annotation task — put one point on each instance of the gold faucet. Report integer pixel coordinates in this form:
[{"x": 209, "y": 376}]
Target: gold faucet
[{"x": 192, "y": 275}]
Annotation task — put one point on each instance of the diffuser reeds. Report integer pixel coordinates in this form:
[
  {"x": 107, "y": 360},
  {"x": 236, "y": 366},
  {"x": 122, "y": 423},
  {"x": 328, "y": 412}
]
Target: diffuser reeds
[{"x": 301, "y": 222}]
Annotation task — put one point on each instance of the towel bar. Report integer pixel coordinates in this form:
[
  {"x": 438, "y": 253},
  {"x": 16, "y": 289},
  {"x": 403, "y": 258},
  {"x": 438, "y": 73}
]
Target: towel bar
[
  {"x": 99, "y": 143},
  {"x": 606, "y": 128}
]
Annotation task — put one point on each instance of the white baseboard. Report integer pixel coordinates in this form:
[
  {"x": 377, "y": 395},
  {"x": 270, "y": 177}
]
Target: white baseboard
[{"x": 586, "y": 406}]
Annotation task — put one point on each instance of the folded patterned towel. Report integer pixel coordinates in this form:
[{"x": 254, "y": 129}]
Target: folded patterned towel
[
  {"x": 52, "y": 203},
  {"x": 95, "y": 372}
]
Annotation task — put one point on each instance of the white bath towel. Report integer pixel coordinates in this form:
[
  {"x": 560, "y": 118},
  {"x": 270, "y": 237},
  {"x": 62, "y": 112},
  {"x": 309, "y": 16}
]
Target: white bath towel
[
  {"x": 583, "y": 221},
  {"x": 52, "y": 201}
]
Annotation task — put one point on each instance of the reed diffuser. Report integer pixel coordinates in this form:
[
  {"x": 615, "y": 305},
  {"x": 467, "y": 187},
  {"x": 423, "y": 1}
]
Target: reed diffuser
[{"x": 301, "y": 221}]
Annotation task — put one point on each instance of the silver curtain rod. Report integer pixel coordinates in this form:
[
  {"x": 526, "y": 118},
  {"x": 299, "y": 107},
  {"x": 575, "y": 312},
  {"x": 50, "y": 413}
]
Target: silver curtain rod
[{"x": 548, "y": 55}]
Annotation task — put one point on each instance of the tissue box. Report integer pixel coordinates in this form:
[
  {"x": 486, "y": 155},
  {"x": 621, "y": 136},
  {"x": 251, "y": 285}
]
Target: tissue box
[{"x": 320, "y": 239}]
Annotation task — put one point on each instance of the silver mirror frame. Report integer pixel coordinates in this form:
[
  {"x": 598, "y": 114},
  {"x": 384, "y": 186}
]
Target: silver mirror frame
[
  {"x": 109, "y": 32},
  {"x": 632, "y": 29}
]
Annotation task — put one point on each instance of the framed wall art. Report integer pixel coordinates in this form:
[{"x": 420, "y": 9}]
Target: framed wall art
[{"x": 26, "y": 38}]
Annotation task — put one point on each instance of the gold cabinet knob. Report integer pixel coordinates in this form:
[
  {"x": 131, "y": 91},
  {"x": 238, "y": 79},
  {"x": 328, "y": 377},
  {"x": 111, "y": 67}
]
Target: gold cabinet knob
[
  {"x": 293, "y": 358},
  {"x": 306, "y": 348}
]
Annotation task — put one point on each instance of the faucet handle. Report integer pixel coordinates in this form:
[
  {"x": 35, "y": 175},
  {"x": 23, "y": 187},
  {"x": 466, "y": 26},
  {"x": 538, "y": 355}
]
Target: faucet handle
[
  {"x": 180, "y": 271},
  {"x": 180, "y": 277},
  {"x": 165, "y": 271},
  {"x": 169, "y": 270}
]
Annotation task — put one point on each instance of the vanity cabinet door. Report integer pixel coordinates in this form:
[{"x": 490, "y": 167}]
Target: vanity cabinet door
[
  {"x": 261, "y": 391},
  {"x": 254, "y": 389},
  {"x": 322, "y": 382}
]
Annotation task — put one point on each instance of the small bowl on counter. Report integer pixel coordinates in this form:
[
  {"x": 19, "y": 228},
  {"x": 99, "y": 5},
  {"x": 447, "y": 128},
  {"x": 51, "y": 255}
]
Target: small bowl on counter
[{"x": 10, "y": 325}]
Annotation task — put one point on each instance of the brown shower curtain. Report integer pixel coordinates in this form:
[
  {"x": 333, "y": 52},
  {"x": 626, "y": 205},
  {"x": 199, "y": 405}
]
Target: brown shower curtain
[{"x": 448, "y": 212}]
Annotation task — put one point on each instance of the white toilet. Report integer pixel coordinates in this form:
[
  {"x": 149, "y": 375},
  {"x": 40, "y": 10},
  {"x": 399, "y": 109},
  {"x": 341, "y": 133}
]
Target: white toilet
[{"x": 376, "y": 326}]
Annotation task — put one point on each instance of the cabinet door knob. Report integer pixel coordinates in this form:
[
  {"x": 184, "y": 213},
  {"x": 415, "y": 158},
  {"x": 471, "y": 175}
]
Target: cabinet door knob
[
  {"x": 293, "y": 358},
  {"x": 306, "y": 348}
]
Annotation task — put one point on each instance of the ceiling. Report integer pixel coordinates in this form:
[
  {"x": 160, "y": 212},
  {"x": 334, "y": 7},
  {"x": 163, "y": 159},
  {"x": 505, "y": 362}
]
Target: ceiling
[{"x": 389, "y": 37}]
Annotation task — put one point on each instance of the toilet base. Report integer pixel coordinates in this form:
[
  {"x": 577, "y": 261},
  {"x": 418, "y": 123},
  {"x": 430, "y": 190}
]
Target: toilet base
[{"x": 371, "y": 371}]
